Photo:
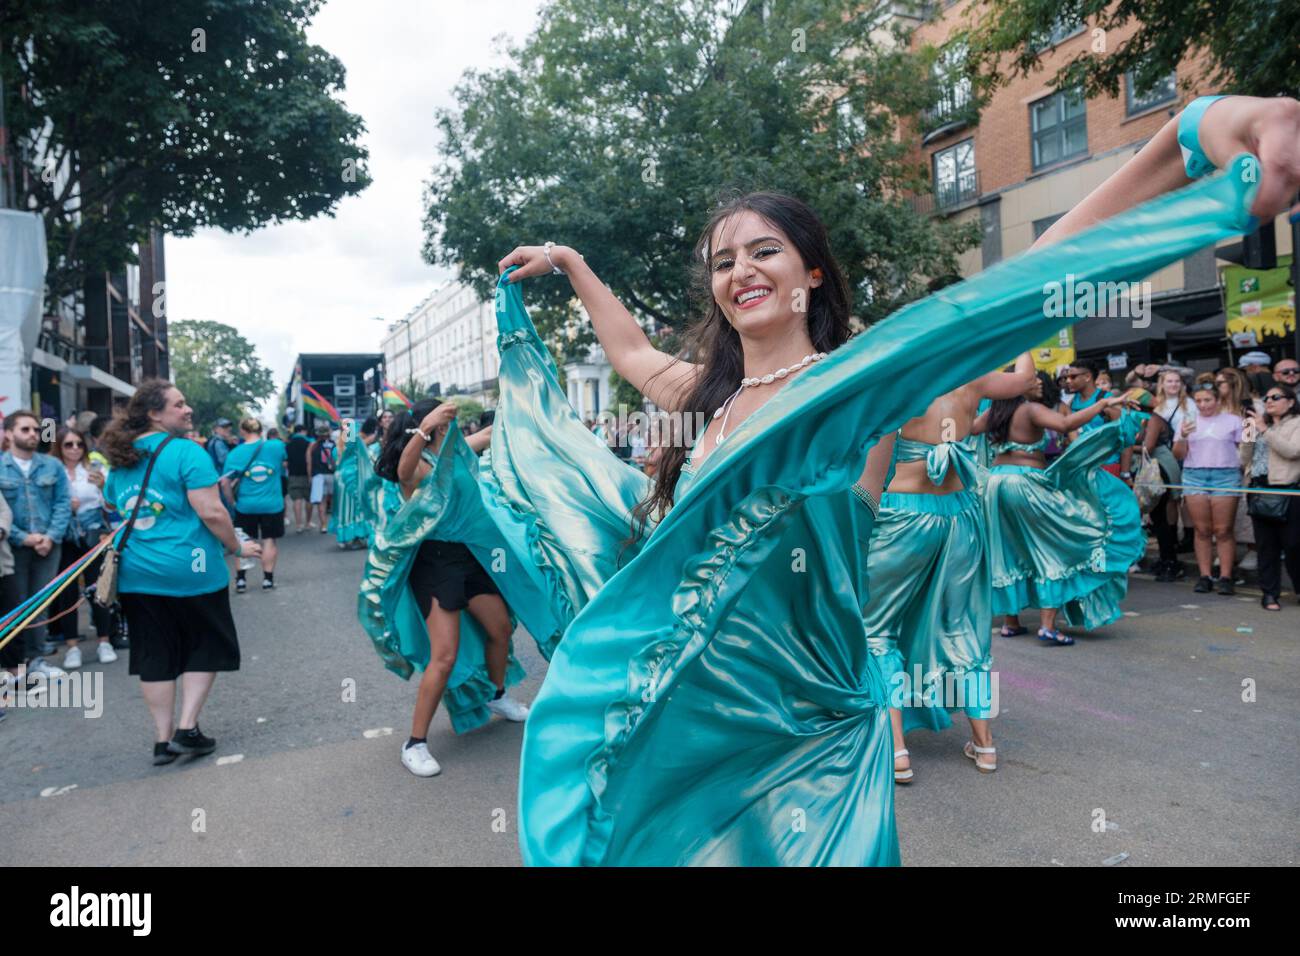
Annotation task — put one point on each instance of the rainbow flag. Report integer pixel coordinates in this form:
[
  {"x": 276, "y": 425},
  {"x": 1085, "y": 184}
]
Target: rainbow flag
[
  {"x": 391, "y": 394},
  {"x": 317, "y": 404}
]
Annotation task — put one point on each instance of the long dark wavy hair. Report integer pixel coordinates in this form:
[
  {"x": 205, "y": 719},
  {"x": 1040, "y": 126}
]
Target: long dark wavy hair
[
  {"x": 129, "y": 423},
  {"x": 395, "y": 438},
  {"x": 1002, "y": 410},
  {"x": 714, "y": 343}
]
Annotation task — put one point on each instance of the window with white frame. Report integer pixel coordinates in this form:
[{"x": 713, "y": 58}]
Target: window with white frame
[
  {"x": 1059, "y": 127},
  {"x": 954, "y": 174}
]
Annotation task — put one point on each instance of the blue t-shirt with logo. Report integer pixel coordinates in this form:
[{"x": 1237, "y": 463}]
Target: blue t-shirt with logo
[
  {"x": 258, "y": 466},
  {"x": 170, "y": 551},
  {"x": 1078, "y": 403}
]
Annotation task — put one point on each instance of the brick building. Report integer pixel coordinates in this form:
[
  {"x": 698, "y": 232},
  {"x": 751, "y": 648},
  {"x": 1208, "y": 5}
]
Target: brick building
[{"x": 1031, "y": 154}]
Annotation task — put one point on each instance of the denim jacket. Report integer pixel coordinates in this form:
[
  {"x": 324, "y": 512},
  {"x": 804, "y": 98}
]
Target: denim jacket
[{"x": 39, "y": 499}]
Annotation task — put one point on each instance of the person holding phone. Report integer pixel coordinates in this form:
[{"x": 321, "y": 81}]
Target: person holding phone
[
  {"x": 1277, "y": 529},
  {"x": 1207, "y": 447}
]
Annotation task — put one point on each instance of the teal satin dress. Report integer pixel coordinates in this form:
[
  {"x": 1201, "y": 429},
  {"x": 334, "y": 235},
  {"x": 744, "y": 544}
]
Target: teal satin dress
[
  {"x": 930, "y": 614},
  {"x": 1065, "y": 536},
  {"x": 452, "y": 503},
  {"x": 687, "y": 718},
  {"x": 348, "y": 518}
]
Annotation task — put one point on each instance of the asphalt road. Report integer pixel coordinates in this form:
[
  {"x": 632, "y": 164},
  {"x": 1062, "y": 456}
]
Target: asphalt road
[{"x": 1135, "y": 741}]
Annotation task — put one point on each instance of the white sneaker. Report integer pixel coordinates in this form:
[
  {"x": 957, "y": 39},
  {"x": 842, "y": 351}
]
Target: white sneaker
[
  {"x": 1250, "y": 562},
  {"x": 509, "y": 708},
  {"x": 419, "y": 761},
  {"x": 72, "y": 658},
  {"x": 49, "y": 671},
  {"x": 106, "y": 653}
]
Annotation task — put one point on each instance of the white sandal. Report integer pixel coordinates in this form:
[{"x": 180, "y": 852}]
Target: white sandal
[
  {"x": 970, "y": 750},
  {"x": 902, "y": 776}
]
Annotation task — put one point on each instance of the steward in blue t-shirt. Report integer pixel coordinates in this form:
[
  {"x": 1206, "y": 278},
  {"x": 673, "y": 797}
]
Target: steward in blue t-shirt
[
  {"x": 170, "y": 551},
  {"x": 257, "y": 465}
]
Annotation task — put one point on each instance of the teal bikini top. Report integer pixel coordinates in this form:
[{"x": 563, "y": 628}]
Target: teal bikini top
[
  {"x": 1002, "y": 447},
  {"x": 938, "y": 459}
]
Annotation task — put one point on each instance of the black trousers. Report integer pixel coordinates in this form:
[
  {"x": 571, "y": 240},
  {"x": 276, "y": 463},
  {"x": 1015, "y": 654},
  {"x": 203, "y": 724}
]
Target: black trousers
[
  {"x": 1166, "y": 533},
  {"x": 1278, "y": 542},
  {"x": 65, "y": 628}
]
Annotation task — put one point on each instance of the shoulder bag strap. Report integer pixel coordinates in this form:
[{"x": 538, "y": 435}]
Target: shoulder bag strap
[{"x": 144, "y": 486}]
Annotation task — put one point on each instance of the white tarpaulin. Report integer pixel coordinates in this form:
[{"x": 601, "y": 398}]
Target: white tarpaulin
[{"x": 22, "y": 284}]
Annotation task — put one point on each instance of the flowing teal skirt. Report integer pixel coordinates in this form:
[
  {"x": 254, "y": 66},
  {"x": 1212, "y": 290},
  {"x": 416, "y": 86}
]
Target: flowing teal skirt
[
  {"x": 1065, "y": 536},
  {"x": 348, "y": 521},
  {"x": 714, "y": 700},
  {"x": 929, "y": 619},
  {"x": 451, "y": 504}
]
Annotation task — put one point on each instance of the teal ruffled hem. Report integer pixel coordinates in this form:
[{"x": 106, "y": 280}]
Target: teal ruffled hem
[
  {"x": 386, "y": 607},
  {"x": 922, "y": 712},
  {"x": 356, "y": 531},
  {"x": 1089, "y": 592},
  {"x": 467, "y": 702}
]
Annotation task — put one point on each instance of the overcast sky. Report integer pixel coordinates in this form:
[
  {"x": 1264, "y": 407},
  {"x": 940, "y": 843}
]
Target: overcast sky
[{"x": 315, "y": 286}]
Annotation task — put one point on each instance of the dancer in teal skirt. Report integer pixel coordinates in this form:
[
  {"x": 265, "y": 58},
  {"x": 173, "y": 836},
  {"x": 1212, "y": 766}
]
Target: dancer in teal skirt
[
  {"x": 714, "y": 700},
  {"x": 348, "y": 519},
  {"x": 441, "y": 593},
  {"x": 929, "y": 619},
  {"x": 1061, "y": 538}
]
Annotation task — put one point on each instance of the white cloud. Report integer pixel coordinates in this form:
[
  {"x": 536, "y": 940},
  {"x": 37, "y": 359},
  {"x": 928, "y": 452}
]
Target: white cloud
[{"x": 315, "y": 286}]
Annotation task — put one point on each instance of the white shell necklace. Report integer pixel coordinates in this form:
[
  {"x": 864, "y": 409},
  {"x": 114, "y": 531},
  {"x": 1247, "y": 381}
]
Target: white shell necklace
[{"x": 725, "y": 411}]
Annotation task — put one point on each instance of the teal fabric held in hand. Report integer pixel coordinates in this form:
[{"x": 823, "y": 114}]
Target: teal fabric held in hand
[
  {"x": 451, "y": 504},
  {"x": 685, "y": 721},
  {"x": 258, "y": 465},
  {"x": 347, "y": 518}
]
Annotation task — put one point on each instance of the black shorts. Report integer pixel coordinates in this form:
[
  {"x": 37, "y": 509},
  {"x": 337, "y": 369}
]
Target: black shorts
[
  {"x": 173, "y": 635},
  {"x": 261, "y": 527},
  {"x": 447, "y": 572}
]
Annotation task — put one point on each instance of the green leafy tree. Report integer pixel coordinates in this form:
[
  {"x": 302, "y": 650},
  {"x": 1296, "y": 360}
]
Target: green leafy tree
[
  {"x": 623, "y": 393},
  {"x": 218, "y": 371},
  {"x": 617, "y": 126},
  {"x": 467, "y": 410},
  {"x": 1249, "y": 46},
  {"x": 127, "y": 114}
]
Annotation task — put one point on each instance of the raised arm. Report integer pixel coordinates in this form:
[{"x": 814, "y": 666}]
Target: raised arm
[
  {"x": 1267, "y": 127},
  {"x": 479, "y": 440},
  {"x": 658, "y": 376},
  {"x": 1008, "y": 384},
  {"x": 411, "y": 467},
  {"x": 1044, "y": 417}
]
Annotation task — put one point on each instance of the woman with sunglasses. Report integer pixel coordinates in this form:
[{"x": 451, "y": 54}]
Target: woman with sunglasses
[
  {"x": 1278, "y": 429},
  {"x": 1207, "y": 448},
  {"x": 88, "y": 525}
]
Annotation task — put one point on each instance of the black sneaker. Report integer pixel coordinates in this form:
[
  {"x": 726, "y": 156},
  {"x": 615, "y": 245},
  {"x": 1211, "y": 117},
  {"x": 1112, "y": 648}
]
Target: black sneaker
[
  {"x": 1225, "y": 586},
  {"x": 191, "y": 742},
  {"x": 161, "y": 755},
  {"x": 1204, "y": 586},
  {"x": 267, "y": 584},
  {"x": 240, "y": 585},
  {"x": 1165, "y": 572}
]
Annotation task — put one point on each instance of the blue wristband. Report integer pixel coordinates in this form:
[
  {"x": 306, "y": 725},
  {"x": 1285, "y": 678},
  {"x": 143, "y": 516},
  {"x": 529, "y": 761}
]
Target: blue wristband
[{"x": 1195, "y": 161}]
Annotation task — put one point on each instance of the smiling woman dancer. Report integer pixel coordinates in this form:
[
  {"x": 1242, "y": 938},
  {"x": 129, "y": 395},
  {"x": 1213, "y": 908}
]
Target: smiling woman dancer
[{"x": 689, "y": 717}]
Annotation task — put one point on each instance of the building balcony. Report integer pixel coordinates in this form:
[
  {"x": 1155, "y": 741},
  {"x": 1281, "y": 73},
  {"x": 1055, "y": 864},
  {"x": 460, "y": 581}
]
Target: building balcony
[
  {"x": 949, "y": 196},
  {"x": 954, "y": 111}
]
